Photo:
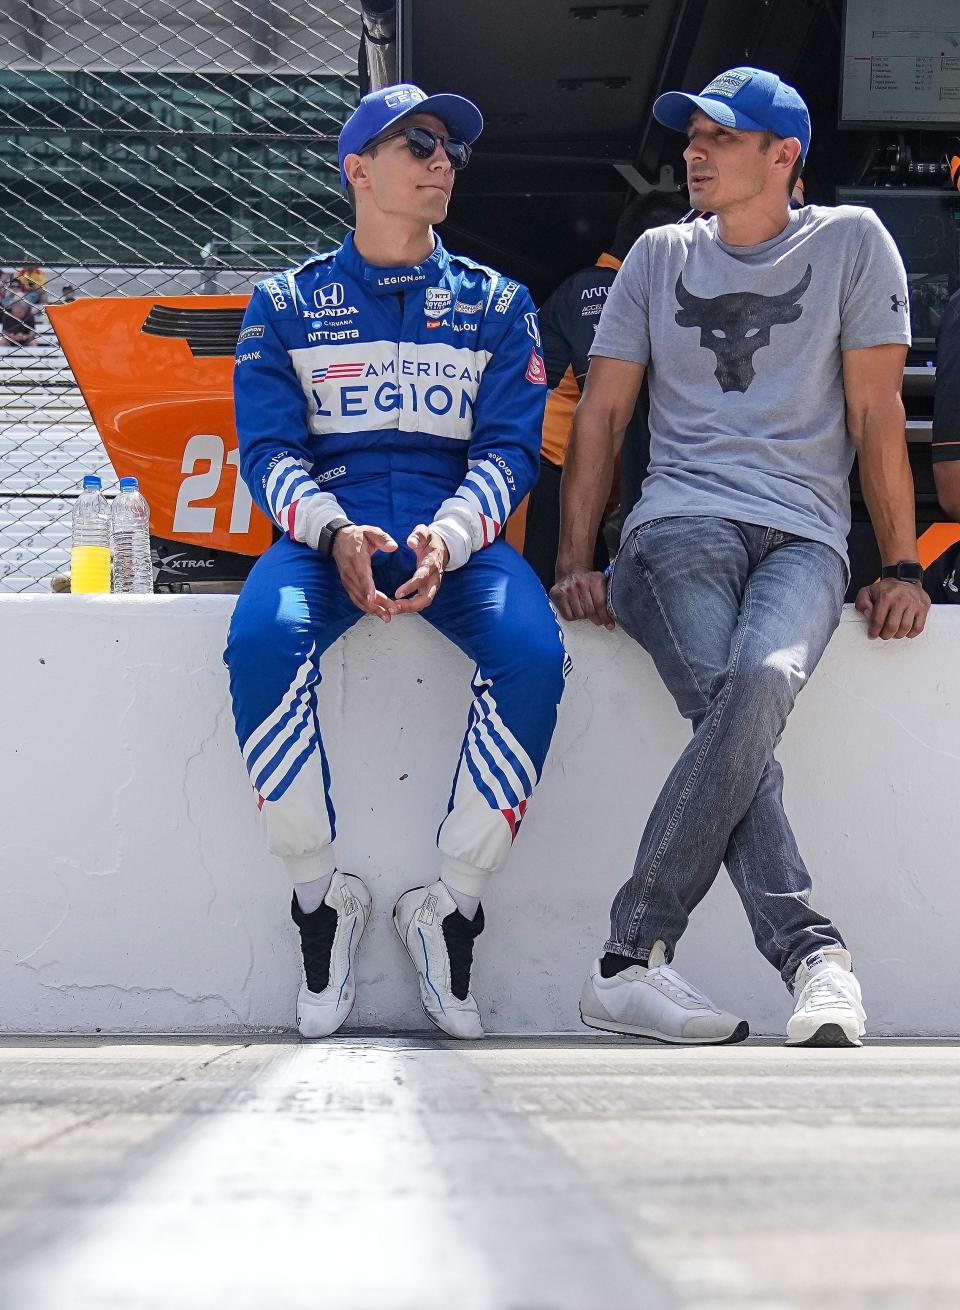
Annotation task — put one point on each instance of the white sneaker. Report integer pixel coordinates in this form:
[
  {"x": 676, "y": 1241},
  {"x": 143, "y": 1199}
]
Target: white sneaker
[
  {"x": 656, "y": 1002},
  {"x": 829, "y": 1010},
  {"x": 439, "y": 941},
  {"x": 329, "y": 938}
]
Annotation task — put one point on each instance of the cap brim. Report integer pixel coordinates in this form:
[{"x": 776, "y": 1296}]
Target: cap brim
[
  {"x": 673, "y": 109},
  {"x": 461, "y": 116}
]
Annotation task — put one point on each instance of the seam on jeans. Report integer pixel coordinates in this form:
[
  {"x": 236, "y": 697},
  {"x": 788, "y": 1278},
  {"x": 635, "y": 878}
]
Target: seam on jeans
[
  {"x": 677, "y": 815},
  {"x": 777, "y": 940},
  {"x": 666, "y": 622}
]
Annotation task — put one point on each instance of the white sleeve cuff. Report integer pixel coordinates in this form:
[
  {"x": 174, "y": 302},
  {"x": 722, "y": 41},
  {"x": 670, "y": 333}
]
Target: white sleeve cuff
[
  {"x": 455, "y": 537},
  {"x": 312, "y": 516}
]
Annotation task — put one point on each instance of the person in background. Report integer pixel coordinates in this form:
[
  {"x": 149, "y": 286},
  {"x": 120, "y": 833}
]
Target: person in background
[
  {"x": 941, "y": 578},
  {"x": 568, "y": 321},
  {"x": 67, "y": 294},
  {"x": 773, "y": 357},
  {"x": 19, "y": 326},
  {"x": 34, "y": 282}
]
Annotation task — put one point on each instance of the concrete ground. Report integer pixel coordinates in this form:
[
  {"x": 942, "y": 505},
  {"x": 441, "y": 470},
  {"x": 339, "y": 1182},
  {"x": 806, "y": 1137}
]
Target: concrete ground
[{"x": 517, "y": 1174}]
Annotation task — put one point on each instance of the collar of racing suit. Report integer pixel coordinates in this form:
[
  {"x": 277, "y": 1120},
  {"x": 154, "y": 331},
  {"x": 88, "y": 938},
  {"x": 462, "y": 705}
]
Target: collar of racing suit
[
  {"x": 608, "y": 261},
  {"x": 388, "y": 281}
]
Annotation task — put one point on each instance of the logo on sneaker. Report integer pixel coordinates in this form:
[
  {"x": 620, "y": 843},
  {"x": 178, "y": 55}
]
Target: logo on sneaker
[
  {"x": 350, "y": 903},
  {"x": 428, "y": 909},
  {"x": 813, "y": 960}
]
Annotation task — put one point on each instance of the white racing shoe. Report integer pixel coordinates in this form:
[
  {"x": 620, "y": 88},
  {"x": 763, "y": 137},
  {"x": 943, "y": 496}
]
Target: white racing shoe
[
  {"x": 439, "y": 941},
  {"x": 329, "y": 938},
  {"x": 656, "y": 1002},
  {"x": 829, "y": 1010}
]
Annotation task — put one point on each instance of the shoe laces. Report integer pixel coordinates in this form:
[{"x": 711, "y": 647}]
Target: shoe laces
[
  {"x": 825, "y": 988},
  {"x": 679, "y": 987},
  {"x": 459, "y": 934},
  {"x": 317, "y": 931}
]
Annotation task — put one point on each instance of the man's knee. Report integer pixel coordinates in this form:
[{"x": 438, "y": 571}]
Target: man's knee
[
  {"x": 539, "y": 657},
  {"x": 767, "y": 688}
]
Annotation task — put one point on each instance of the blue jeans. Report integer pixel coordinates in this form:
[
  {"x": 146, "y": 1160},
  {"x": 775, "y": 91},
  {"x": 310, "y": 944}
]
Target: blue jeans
[{"x": 735, "y": 617}]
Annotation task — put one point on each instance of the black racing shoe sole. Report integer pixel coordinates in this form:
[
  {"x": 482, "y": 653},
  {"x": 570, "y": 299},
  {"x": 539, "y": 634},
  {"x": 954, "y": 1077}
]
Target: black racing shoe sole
[
  {"x": 739, "y": 1034},
  {"x": 830, "y": 1034}
]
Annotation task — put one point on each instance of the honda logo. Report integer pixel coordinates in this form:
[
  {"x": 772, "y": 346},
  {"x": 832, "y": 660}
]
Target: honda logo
[{"x": 329, "y": 297}]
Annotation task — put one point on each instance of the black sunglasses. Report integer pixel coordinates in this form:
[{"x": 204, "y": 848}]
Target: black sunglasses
[{"x": 422, "y": 142}]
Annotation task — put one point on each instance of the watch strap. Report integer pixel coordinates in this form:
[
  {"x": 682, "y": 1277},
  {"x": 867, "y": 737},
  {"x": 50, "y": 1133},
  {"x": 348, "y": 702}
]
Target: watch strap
[
  {"x": 905, "y": 570},
  {"x": 327, "y": 534}
]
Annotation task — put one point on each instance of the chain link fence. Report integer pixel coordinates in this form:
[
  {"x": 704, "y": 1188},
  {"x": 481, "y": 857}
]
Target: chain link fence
[{"x": 169, "y": 147}]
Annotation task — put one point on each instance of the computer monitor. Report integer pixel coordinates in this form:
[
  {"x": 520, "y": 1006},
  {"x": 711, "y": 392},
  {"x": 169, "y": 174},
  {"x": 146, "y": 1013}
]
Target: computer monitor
[
  {"x": 925, "y": 224},
  {"x": 901, "y": 64}
]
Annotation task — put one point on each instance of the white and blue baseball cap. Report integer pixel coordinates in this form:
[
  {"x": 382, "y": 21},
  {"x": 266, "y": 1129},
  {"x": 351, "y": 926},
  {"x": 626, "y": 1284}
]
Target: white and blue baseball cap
[
  {"x": 381, "y": 109},
  {"x": 751, "y": 99}
]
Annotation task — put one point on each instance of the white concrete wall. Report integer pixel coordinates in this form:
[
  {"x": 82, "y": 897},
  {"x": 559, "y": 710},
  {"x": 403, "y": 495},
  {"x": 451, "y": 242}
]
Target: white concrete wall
[{"x": 137, "y": 897}]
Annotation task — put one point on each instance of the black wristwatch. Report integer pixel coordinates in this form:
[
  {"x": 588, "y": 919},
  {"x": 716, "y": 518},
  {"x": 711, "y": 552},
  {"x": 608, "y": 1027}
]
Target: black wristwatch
[
  {"x": 327, "y": 534},
  {"x": 905, "y": 570}
]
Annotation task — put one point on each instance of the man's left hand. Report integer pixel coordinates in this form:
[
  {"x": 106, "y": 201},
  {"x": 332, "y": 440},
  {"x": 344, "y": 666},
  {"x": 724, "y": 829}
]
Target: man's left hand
[
  {"x": 893, "y": 608},
  {"x": 432, "y": 557}
]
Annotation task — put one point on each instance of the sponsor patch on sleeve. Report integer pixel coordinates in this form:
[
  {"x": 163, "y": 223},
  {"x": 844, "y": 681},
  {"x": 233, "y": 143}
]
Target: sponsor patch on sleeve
[
  {"x": 256, "y": 330},
  {"x": 505, "y": 298},
  {"x": 536, "y": 371}
]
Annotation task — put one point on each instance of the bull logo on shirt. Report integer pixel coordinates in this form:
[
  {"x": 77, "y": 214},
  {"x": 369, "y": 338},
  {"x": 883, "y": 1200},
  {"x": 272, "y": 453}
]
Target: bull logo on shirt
[{"x": 735, "y": 326}]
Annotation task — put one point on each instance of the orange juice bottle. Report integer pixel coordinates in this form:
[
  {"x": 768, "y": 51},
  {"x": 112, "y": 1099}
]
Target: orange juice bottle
[{"x": 90, "y": 548}]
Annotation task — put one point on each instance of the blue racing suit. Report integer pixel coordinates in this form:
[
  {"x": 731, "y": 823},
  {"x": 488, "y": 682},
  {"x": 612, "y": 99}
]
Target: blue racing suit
[{"x": 392, "y": 397}]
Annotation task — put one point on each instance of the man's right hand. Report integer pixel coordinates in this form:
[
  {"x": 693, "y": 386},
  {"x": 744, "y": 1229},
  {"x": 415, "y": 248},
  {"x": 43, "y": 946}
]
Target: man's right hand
[
  {"x": 353, "y": 548},
  {"x": 582, "y": 594}
]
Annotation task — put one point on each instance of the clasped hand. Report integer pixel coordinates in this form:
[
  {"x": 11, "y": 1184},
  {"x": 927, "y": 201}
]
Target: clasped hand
[
  {"x": 893, "y": 608},
  {"x": 353, "y": 549},
  {"x": 582, "y": 594}
]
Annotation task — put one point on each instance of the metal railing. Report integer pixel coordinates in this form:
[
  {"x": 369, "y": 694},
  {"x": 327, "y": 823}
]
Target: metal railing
[{"x": 168, "y": 147}]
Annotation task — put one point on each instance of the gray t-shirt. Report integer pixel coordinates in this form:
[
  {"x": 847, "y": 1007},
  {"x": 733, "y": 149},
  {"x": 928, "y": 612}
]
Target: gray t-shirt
[{"x": 742, "y": 345}]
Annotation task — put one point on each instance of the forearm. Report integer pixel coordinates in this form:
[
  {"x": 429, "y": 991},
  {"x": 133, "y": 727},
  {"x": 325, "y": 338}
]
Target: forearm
[
  {"x": 585, "y": 488},
  {"x": 887, "y": 482}
]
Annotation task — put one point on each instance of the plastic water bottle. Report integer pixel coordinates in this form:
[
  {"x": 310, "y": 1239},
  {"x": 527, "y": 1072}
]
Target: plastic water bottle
[
  {"x": 90, "y": 544},
  {"x": 130, "y": 541}
]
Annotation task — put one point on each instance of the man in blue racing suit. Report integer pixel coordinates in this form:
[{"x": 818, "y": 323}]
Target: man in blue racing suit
[{"x": 389, "y": 401}]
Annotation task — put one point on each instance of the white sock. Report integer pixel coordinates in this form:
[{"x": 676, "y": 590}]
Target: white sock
[
  {"x": 467, "y": 905},
  {"x": 310, "y": 894}
]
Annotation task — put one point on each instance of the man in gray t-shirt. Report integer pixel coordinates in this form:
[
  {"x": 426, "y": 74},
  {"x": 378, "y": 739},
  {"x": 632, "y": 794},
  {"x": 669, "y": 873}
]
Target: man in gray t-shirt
[{"x": 774, "y": 344}]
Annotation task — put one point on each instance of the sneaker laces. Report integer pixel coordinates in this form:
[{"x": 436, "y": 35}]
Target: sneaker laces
[
  {"x": 826, "y": 988},
  {"x": 459, "y": 934},
  {"x": 679, "y": 986},
  {"x": 317, "y": 931}
]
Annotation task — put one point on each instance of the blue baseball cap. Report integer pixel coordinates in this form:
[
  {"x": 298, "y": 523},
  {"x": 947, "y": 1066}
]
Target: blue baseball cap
[
  {"x": 751, "y": 99},
  {"x": 381, "y": 109}
]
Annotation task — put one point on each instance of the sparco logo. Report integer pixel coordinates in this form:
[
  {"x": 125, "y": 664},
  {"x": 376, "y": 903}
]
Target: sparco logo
[
  {"x": 330, "y": 475},
  {"x": 328, "y": 297},
  {"x": 272, "y": 288},
  {"x": 506, "y": 297}
]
